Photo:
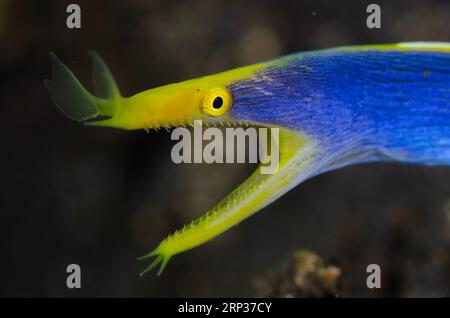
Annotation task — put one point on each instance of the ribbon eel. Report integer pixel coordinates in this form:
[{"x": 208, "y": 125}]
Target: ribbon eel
[{"x": 333, "y": 108}]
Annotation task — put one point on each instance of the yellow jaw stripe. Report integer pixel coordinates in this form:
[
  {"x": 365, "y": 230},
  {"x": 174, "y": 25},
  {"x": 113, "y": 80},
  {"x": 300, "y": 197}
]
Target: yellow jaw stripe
[{"x": 296, "y": 155}]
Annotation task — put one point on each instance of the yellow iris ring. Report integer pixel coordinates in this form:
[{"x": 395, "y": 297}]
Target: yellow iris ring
[{"x": 217, "y": 101}]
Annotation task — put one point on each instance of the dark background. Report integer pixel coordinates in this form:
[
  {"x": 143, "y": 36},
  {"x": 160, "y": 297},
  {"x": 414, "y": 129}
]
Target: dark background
[{"x": 101, "y": 197}]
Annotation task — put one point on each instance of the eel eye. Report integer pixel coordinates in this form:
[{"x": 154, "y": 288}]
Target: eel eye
[{"x": 217, "y": 102}]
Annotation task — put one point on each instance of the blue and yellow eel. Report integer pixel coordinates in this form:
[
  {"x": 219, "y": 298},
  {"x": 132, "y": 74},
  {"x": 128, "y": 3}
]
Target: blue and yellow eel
[{"x": 333, "y": 108}]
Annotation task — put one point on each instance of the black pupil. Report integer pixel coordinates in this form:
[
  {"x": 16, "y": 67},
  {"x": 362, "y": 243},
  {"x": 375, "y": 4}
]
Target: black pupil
[{"x": 218, "y": 102}]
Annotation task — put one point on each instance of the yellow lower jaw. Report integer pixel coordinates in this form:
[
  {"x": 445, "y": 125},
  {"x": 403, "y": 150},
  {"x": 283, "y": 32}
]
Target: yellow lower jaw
[{"x": 296, "y": 154}]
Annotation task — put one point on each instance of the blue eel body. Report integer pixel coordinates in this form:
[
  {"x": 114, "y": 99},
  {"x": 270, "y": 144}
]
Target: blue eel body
[{"x": 361, "y": 106}]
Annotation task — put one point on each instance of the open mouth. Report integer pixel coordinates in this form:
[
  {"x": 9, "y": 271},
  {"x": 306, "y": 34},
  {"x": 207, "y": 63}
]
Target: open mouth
[{"x": 190, "y": 103}]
